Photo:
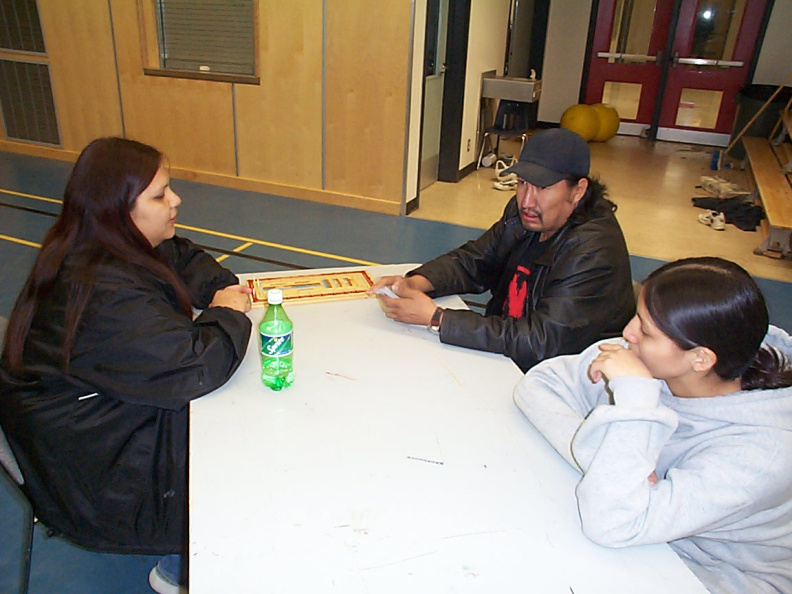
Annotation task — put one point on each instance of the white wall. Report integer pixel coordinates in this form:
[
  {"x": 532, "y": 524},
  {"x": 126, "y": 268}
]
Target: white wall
[
  {"x": 774, "y": 65},
  {"x": 565, "y": 52},
  {"x": 489, "y": 24}
]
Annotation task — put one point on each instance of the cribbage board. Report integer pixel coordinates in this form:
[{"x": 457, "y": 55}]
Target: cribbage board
[{"x": 310, "y": 288}]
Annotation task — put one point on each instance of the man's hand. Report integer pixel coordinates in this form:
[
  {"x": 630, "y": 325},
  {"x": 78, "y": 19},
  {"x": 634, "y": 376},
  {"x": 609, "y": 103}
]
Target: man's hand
[
  {"x": 616, "y": 361},
  {"x": 411, "y": 307},
  {"x": 415, "y": 282},
  {"x": 233, "y": 296}
]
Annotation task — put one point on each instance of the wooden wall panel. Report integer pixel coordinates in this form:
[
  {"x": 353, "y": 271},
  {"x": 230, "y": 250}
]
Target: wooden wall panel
[
  {"x": 356, "y": 106},
  {"x": 279, "y": 122},
  {"x": 191, "y": 121},
  {"x": 367, "y": 67},
  {"x": 79, "y": 44}
]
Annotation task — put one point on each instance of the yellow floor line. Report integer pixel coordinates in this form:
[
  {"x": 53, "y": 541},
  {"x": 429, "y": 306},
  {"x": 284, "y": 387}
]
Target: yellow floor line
[
  {"x": 45, "y": 199},
  {"x": 22, "y": 241},
  {"x": 277, "y": 245},
  {"x": 244, "y": 246},
  {"x": 249, "y": 240}
]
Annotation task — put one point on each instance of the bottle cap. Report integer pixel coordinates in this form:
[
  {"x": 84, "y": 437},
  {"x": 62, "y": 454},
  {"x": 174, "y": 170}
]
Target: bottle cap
[{"x": 274, "y": 296}]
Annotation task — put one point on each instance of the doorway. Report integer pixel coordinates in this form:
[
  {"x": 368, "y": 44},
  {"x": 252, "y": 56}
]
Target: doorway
[
  {"x": 434, "y": 65},
  {"x": 673, "y": 68}
]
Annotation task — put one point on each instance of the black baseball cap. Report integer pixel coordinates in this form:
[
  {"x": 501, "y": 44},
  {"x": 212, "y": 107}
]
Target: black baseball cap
[{"x": 552, "y": 155}]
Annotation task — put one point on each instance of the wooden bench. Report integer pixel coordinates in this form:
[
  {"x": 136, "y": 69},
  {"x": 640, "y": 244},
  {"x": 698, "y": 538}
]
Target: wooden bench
[{"x": 773, "y": 187}]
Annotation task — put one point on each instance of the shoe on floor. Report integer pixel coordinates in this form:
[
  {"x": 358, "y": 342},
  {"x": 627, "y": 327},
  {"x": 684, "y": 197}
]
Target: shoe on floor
[
  {"x": 164, "y": 576},
  {"x": 718, "y": 222},
  {"x": 500, "y": 167},
  {"x": 706, "y": 219},
  {"x": 505, "y": 185}
]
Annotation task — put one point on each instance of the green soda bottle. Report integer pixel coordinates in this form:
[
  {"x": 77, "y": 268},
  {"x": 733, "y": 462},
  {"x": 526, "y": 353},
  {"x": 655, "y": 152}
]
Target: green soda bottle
[{"x": 276, "y": 345}]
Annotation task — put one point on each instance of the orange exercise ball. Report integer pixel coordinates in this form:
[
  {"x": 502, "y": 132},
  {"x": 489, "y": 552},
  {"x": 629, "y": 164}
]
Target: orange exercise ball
[
  {"x": 608, "y": 122},
  {"x": 581, "y": 119}
]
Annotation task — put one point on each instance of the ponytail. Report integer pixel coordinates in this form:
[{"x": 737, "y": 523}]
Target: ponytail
[{"x": 769, "y": 370}]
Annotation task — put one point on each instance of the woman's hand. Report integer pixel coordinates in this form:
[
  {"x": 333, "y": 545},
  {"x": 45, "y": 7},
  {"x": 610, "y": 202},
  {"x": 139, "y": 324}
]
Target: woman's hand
[
  {"x": 616, "y": 361},
  {"x": 234, "y": 297}
]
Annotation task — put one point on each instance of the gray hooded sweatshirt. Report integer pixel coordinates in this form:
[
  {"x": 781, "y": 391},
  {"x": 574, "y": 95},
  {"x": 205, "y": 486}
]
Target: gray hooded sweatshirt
[{"x": 723, "y": 500}]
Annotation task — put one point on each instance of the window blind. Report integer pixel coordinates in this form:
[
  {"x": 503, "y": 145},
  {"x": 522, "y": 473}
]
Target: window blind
[{"x": 207, "y": 35}]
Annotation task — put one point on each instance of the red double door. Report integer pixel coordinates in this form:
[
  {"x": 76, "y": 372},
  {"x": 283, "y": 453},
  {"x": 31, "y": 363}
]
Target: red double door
[{"x": 693, "y": 86}]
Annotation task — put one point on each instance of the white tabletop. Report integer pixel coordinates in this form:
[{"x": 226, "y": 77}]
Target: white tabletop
[{"x": 393, "y": 464}]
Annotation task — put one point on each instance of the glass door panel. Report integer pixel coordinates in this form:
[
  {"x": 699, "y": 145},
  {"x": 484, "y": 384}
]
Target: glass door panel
[{"x": 632, "y": 30}]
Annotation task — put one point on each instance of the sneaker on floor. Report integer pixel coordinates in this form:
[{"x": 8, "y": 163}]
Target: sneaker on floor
[
  {"x": 164, "y": 576},
  {"x": 718, "y": 222},
  {"x": 500, "y": 167},
  {"x": 706, "y": 219},
  {"x": 510, "y": 185}
]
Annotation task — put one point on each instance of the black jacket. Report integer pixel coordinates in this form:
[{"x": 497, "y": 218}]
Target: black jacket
[
  {"x": 582, "y": 289},
  {"x": 103, "y": 446}
]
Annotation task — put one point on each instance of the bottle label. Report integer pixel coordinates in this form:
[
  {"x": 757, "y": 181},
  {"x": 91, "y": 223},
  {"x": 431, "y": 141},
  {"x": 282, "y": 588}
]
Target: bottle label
[{"x": 276, "y": 346}]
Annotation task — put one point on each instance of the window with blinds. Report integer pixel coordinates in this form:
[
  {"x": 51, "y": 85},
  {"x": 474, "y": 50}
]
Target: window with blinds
[{"x": 209, "y": 36}]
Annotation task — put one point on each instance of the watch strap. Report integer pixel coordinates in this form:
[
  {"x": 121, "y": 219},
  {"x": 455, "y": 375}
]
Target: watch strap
[{"x": 437, "y": 317}]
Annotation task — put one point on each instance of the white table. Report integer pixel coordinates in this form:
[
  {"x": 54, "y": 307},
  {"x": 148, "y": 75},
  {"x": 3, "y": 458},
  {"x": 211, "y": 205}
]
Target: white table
[{"x": 393, "y": 464}]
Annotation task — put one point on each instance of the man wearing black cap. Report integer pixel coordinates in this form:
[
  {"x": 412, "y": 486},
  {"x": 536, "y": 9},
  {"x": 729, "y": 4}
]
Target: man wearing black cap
[{"x": 556, "y": 264}]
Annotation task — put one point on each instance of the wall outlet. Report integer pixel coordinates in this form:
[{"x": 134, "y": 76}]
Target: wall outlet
[{"x": 468, "y": 145}]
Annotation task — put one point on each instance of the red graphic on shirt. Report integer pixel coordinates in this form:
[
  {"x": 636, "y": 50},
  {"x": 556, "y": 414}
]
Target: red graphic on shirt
[{"x": 514, "y": 306}]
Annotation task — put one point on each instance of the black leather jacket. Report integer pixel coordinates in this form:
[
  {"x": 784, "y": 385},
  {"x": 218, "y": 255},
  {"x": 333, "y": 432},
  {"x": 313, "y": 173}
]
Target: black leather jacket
[
  {"x": 582, "y": 290},
  {"x": 103, "y": 444}
]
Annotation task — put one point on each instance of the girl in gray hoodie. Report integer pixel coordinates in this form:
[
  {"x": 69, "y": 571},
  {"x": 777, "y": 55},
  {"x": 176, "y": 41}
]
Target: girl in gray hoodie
[{"x": 682, "y": 429}]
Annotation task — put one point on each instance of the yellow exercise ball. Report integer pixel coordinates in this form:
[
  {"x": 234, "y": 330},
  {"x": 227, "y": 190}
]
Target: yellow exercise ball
[
  {"x": 582, "y": 119},
  {"x": 608, "y": 122}
]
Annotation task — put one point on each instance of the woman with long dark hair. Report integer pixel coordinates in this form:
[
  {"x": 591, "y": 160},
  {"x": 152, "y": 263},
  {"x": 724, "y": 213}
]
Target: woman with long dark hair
[
  {"x": 102, "y": 355},
  {"x": 683, "y": 429}
]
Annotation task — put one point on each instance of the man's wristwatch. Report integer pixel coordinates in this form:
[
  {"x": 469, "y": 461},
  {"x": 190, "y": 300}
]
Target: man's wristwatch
[{"x": 437, "y": 318}]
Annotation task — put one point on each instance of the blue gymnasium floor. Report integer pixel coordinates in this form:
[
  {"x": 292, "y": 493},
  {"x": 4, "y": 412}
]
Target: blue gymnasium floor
[{"x": 251, "y": 232}]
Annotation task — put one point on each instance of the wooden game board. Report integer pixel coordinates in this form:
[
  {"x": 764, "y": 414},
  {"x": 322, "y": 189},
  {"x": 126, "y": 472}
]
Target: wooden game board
[{"x": 306, "y": 288}]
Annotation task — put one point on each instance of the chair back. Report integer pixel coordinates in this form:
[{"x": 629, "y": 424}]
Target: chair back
[
  {"x": 11, "y": 468},
  {"x": 8, "y": 460}
]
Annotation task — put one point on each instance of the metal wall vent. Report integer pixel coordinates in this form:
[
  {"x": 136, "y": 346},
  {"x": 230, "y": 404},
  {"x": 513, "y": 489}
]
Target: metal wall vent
[
  {"x": 20, "y": 28},
  {"x": 27, "y": 103}
]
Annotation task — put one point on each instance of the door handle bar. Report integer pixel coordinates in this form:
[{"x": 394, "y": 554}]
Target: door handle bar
[
  {"x": 630, "y": 57},
  {"x": 705, "y": 62}
]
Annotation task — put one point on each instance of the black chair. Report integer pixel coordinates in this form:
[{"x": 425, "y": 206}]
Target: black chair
[
  {"x": 13, "y": 476},
  {"x": 512, "y": 120}
]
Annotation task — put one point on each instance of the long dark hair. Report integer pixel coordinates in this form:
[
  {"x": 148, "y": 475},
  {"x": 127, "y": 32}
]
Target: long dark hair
[
  {"x": 585, "y": 207},
  {"x": 714, "y": 303},
  {"x": 107, "y": 179}
]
